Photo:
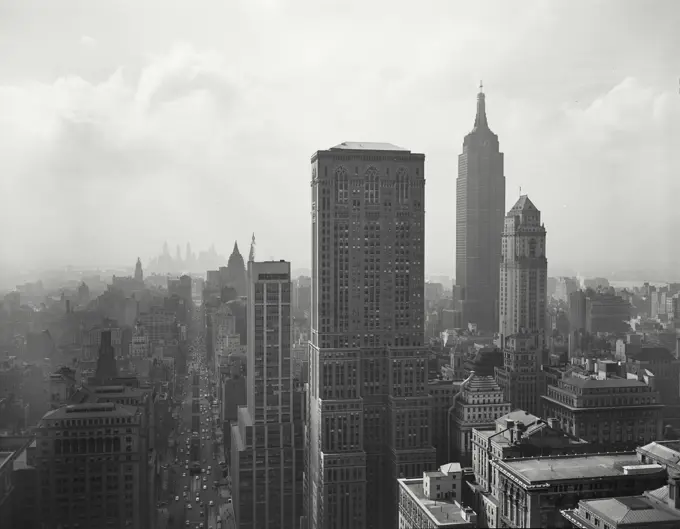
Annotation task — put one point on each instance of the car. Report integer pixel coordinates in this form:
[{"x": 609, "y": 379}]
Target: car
[
  {"x": 205, "y": 487},
  {"x": 205, "y": 479},
  {"x": 184, "y": 474},
  {"x": 198, "y": 477},
  {"x": 187, "y": 523},
  {"x": 209, "y": 468},
  {"x": 189, "y": 506},
  {"x": 186, "y": 487},
  {"x": 186, "y": 467},
  {"x": 176, "y": 498},
  {"x": 212, "y": 503},
  {"x": 229, "y": 500},
  {"x": 198, "y": 500},
  {"x": 202, "y": 512}
]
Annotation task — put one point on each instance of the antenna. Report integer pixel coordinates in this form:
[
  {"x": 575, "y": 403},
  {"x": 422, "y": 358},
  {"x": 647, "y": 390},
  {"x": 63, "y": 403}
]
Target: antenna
[
  {"x": 481, "y": 87},
  {"x": 520, "y": 190}
]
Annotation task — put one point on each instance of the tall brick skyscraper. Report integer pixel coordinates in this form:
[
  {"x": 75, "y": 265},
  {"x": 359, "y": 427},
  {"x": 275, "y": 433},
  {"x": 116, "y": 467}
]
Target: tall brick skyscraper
[
  {"x": 480, "y": 209},
  {"x": 369, "y": 410}
]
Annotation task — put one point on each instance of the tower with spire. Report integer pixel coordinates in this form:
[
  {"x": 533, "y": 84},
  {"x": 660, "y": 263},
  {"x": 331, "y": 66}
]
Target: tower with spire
[
  {"x": 139, "y": 274},
  {"x": 236, "y": 271},
  {"x": 523, "y": 305},
  {"x": 480, "y": 210}
]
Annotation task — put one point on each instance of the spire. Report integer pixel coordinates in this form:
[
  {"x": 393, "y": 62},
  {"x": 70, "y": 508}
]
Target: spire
[
  {"x": 235, "y": 250},
  {"x": 480, "y": 119},
  {"x": 251, "y": 256}
]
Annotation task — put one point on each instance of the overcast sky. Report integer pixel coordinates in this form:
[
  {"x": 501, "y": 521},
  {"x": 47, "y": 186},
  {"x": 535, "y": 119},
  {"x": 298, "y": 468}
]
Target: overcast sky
[{"x": 127, "y": 123}]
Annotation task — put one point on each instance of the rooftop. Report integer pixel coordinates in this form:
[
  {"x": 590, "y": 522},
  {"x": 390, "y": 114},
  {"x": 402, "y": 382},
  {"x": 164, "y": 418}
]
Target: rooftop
[
  {"x": 442, "y": 512},
  {"x": 367, "y": 146},
  {"x": 635, "y": 510},
  {"x": 523, "y": 204},
  {"x": 612, "y": 382},
  {"x": 91, "y": 410},
  {"x": 581, "y": 467}
]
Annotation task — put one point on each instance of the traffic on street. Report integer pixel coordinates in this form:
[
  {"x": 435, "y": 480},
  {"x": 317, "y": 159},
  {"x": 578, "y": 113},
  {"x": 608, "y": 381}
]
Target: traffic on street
[{"x": 202, "y": 486}]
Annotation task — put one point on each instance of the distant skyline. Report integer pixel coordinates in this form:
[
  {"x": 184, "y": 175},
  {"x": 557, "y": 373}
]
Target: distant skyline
[{"x": 127, "y": 124}]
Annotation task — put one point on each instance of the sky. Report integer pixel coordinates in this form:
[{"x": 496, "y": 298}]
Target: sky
[{"x": 124, "y": 124}]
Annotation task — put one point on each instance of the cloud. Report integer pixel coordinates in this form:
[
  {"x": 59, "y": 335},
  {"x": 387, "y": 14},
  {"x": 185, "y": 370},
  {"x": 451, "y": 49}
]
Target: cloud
[
  {"x": 209, "y": 141},
  {"x": 88, "y": 41}
]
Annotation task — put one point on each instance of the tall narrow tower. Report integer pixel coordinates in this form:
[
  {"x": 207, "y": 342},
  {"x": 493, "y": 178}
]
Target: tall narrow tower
[
  {"x": 369, "y": 410},
  {"x": 523, "y": 273},
  {"x": 267, "y": 443},
  {"x": 523, "y": 303},
  {"x": 480, "y": 207}
]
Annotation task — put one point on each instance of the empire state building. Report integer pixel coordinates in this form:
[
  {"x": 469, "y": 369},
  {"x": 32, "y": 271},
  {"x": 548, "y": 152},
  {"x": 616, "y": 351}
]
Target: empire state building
[{"x": 480, "y": 211}]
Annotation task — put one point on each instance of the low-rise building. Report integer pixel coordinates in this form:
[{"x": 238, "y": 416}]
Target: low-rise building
[
  {"x": 605, "y": 408},
  {"x": 532, "y": 492},
  {"x": 434, "y": 501},
  {"x": 517, "y": 434}
]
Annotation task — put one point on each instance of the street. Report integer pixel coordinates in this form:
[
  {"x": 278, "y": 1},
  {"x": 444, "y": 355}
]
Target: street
[{"x": 198, "y": 501}]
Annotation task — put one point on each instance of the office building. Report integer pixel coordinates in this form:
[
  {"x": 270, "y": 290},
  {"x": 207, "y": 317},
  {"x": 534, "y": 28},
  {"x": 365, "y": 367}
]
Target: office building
[
  {"x": 267, "y": 443},
  {"x": 478, "y": 404},
  {"x": 369, "y": 408},
  {"x": 523, "y": 273},
  {"x": 90, "y": 465},
  {"x": 523, "y": 304},
  {"x": 480, "y": 208},
  {"x": 607, "y": 406}
]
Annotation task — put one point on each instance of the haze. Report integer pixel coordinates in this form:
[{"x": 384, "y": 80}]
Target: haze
[{"x": 125, "y": 124}]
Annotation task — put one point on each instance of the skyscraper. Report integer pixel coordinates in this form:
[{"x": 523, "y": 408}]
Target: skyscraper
[
  {"x": 480, "y": 207},
  {"x": 523, "y": 273},
  {"x": 267, "y": 443},
  {"x": 369, "y": 410},
  {"x": 523, "y": 303}
]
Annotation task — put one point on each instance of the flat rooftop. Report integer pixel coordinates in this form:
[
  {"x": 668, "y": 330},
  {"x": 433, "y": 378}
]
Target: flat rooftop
[
  {"x": 367, "y": 146},
  {"x": 582, "y": 467},
  {"x": 444, "y": 513},
  {"x": 628, "y": 510}
]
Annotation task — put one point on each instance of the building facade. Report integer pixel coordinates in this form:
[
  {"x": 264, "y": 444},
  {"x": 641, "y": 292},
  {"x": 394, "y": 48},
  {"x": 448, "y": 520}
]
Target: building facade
[
  {"x": 480, "y": 208},
  {"x": 369, "y": 409},
  {"x": 614, "y": 412},
  {"x": 90, "y": 465},
  {"x": 480, "y": 402},
  {"x": 523, "y": 273},
  {"x": 267, "y": 449}
]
